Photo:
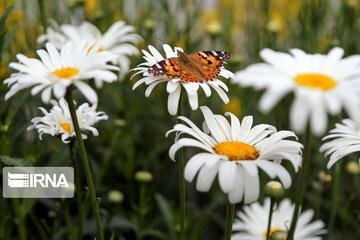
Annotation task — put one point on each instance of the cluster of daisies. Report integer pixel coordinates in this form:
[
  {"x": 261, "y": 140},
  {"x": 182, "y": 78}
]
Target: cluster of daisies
[
  {"x": 73, "y": 56},
  {"x": 233, "y": 150}
]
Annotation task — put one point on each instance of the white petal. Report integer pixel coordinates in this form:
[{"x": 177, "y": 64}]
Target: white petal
[
  {"x": 87, "y": 91},
  {"x": 206, "y": 177},
  {"x": 252, "y": 188},
  {"x": 227, "y": 171},
  {"x": 235, "y": 126},
  {"x": 236, "y": 194},
  {"x": 173, "y": 101},
  {"x": 299, "y": 115},
  {"x": 194, "y": 164}
]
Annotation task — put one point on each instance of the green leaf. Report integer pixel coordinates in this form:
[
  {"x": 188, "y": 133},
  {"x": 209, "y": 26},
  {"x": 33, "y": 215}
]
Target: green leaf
[
  {"x": 112, "y": 237},
  {"x": 166, "y": 213},
  {"x": 2, "y": 28},
  {"x": 154, "y": 233},
  {"x": 17, "y": 162},
  {"x": 122, "y": 223},
  {"x": 4, "y": 17}
]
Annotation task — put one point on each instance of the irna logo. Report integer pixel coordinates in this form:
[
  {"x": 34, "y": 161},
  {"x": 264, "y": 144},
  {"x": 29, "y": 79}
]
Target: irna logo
[
  {"x": 33, "y": 180},
  {"x": 38, "y": 182}
]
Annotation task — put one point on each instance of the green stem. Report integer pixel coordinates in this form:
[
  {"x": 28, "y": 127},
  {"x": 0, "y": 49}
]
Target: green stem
[
  {"x": 142, "y": 206},
  {"x": 334, "y": 198},
  {"x": 20, "y": 218},
  {"x": 42, "y": 13},
  {"x": 85, "y": 163},
  {"x": 40, "y": 228},
  {"x": 230, "y": 209},
  {"x": 182, "y": 194},
  {"x": 300, "y": 191},
  {"x": 76, "y": 166},
  {"x": 272, "y": 203},
  {"x": 182, "y": 184}
]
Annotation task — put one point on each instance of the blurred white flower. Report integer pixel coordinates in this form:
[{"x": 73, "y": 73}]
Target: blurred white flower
[
  {"x": 58, "y": 70},
  {"x": 58, "y": 120},
  {"x": 235, "y": 151},
  {"x": 345, "y": 139},
  {"x": 321, "y": 83},
  {"x": 151, "y": 77},
  {"x": 252, "y": 222},
  {"x": 119, "y": 39}
]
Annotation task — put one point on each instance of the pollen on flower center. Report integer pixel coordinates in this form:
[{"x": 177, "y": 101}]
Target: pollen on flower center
[
  {"x": 66, "y": 127},
  {"x": 66, "y": 72},
  {"x": 315, "y": 80},
  {"x": 236, "y": 150},
  {"x": 272, "y": 230}
]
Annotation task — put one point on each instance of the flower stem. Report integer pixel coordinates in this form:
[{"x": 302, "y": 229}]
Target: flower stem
[
  {"x": 85, "y": 163},
  {"x": 76, "y": 166},
  {"x": 182, "y": 183},
  {"x": 272, "y": 203},
  {"x": 182, "y": 194},
  {"x": 334, "y": 198},
  {"x": 42, "y": 13},
  {"x": 142, "y": 207},
  {"x": 20, "y": 218},
  {"x": 300, "y": 191},
  {"x": 229, "y": 220}
]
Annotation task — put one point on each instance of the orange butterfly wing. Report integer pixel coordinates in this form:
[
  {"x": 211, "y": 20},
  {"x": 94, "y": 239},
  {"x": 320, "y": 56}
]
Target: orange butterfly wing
[
  {"x": 174, "y": 68},
  {"x": 169, "y": 67},
  {"x": 209, "y": 62},
  {"x": 203, "y": 65}
]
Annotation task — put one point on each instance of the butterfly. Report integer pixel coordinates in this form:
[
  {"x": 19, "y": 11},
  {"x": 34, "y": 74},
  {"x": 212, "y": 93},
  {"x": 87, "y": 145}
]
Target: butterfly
[{"x": 196, "y": 67}]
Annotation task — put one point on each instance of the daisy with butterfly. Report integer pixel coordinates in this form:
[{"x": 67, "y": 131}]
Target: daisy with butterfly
[
  {"x": 179, "y": 69},
  {"x": 190, "y": 71}
]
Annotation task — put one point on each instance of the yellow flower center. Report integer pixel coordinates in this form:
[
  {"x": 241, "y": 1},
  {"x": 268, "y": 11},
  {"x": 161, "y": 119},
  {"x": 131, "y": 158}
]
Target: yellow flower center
[
  {"x": 236, "y": 150},
  {"x": 66, "y": 127},
  {"x": 272, "y": 230},
  {"x": 66, "y": 72},
  {"x": 315, "y": 80}
]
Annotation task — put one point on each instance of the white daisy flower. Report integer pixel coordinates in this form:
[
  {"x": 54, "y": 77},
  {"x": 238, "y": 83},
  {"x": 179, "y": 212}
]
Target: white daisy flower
[
  {"x": 235, "y": 151},
  {"x": 345, "y": 139},
  {"x": 119, "y": 39},
  {"x": 58, "y": 70},
  {"x": 175, "y": 84},
  {"x": 58, "y": 120},
  {"x": 252, "y": 222},
  {"x": 321, "y": 83}
]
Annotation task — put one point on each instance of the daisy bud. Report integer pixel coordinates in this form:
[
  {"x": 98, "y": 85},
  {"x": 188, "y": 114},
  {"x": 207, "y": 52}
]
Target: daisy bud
[
  {"x": 213, "y": 28},
  {"x": 149, "y": 24},
  {"x": 352, "y": 3},
  {"x": 353, "y": 168},
  {"x": 317, "y": 186},
  {"x": 274, "y": 25},
  {"x": 324, "y": 177},
  {"x": 4, "y": 128},
  {"x": 120, "y": 122},
  {"x": 73, "y": 3},
  {"x": 274, "y": 189},
  {"x": 279, "y": 235},
  {"x": 115, "y": 196},
  {"x": 143, "y": 176}
]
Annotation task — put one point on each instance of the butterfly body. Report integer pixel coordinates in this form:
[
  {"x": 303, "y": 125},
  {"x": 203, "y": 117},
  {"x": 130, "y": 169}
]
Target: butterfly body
[{"x": 195, "y": 67}]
